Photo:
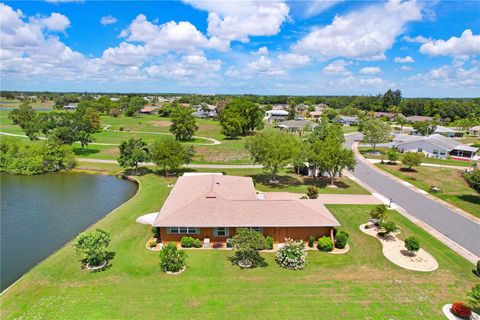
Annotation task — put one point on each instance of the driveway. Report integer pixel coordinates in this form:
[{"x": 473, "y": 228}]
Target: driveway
[{"x": 456, "y": 227}]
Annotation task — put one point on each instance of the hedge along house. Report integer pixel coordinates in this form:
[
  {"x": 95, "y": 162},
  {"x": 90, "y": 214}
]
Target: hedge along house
[{"x": 212, "y": 206}]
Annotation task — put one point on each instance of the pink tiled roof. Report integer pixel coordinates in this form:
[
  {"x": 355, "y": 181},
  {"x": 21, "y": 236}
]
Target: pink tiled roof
[{"x": 230, "y": 201}]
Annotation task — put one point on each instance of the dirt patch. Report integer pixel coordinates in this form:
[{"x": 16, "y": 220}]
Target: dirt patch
[
  {"x": 110, "y": 152},
  {"x": 193, "y": 303},
  {"x": 160, "y": 123},
  {"x": 220, "y": 155}
]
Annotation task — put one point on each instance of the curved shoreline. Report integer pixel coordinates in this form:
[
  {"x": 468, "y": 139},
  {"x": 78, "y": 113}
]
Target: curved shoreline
[{"x": 129, "y": 178}]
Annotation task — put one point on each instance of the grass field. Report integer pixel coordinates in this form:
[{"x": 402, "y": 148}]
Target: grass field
[
  {"x": 455, "y": 189},
  {"x": 383, "y": 151},
  {"x": 361, "y": 284}
]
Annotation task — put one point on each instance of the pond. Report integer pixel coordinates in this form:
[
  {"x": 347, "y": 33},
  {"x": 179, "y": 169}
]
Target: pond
[{"x": 41, "y": 213}]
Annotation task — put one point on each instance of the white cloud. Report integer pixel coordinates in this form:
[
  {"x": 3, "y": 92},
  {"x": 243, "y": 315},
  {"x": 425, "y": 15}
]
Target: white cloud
[
  {"x": 406, "y": 59},
  {"x": 417, "y": 39},
  {"x": 468, "y": 44},
  {"x": 364, "y": 34},
  {"x": 238, "y": 20},
  {"x": 448, "y": 76},
  {"x": 263, "y": 66},
  {"x": 370, "y": 70},
  {"x": 315, "y": 7},
  {"x": 338, "y": 67},
  {"x": 406, "y": 68},
  {"x": 106, "y": 20},
  {"x": 56, "y": 22},
  {"x": 292, "y": 60},
  {"x": 262, "y": 51}
]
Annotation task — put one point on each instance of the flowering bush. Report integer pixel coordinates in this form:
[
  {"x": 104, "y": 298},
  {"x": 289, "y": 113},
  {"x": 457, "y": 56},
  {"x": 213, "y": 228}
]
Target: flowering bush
[
  {"x": 461, "y": 310},
  {"x": 292, "y": 255}
]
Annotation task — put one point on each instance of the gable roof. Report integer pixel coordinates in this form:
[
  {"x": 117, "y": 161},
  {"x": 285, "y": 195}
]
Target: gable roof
[
  {"x": 298, "y": 124},
  {"x": 230, "y": 201},
  {"x": 418, "y": 118},
  {"x": 442, "y": 142}
]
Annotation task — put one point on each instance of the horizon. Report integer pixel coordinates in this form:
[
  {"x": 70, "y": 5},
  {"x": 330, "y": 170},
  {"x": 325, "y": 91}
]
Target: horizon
[{"x": 275, "y": 48}]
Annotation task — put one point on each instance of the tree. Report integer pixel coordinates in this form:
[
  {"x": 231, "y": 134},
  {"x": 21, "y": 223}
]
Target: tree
[
  {"x": 84, "y": 138},
  {"x": 132, "y": 152},
  {"x": 250, "y": 112},
  {"x": 247, "y": 243},
  {"x": 333, "y": 158},
  {"x": 172, "y": 259},
  {"x": 412, "y": 245},
  {"x": 114, "y": 112},
  {"x": 379, "y": 213},
  {"x": 412, "y": 159},
  {"x": 387, "y": 227},
  {"x": 292, "y": 111},
  {"x": 401, "y": 121},
  {"x": 92, "y": 245},
  {"x": 26, "y": 117},
  {"x": 232, "y": 123},
  {"x": 273, "y": 149},
  {"x": 168, "y": 153},
  {"x": 183, "y": 123},
  {"x": 392, "y": 98},
  {"x": 135, "y": 104},
  {"x": 392, "y": 155},
  {"x": 425, "y": 128},
  {"x": 375, "y": 131}
]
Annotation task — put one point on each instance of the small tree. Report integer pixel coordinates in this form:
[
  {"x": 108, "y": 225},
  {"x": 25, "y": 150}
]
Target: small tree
[
  {"x": 232, "y": 123},
  {"x": 247, "y": 243},
  {"x": 379, "y": 213},
  {"x": 183, "y": 124},
  {"x": 473, "y": 297},
  {"x": 92, "y": 245},
  {"x": 425, "y": 128},
  {"x": 375, "y": 131},
  {"x": 412, "y": 159},
  {"x": 132, "y": 152},
  {"x": 312, "y": 192},
  {"x": 169, "y": 153},
  {"x": 172, "y": 259},
  {"x": 412, "y": 245},
  {"x": 292, "y": 255},
  {"x": 392, "y": 155},
  {"x": 387, "y": 227}
]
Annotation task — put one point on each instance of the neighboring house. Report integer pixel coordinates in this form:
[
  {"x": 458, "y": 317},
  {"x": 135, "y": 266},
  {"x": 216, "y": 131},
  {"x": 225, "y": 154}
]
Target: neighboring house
[
  {"x": 316, "y": 115},
  {"x": 205, "y": 111},
  {"x": 212, "y": 206},
  {"x": 474, "y": 131},
  {"x": 280, "y": 115},
  {"x": 437, "y": 146},
  {"x": 297, "y": 125},
  {"x": 280, "y": 106},
  {"x": 414, "y": 119},
  {"x": 149, "y": 110},
  {"x": 347, "y": 120},
  {"x": 71, "y": 106},
  {"x": 389, "y": 115},
  {"x": 114, "y": 99},
  {"x": 448, "y": 132}
]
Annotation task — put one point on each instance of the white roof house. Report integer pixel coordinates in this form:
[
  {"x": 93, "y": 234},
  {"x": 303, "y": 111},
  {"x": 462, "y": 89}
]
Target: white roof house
[
  {"x": 279, "y": 115},
  {"x": 474, "y": 131},
  {"x": 438, "y": 146}
]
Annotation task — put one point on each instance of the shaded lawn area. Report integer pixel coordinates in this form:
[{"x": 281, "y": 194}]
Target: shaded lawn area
[
  {"x": 361, "y": 284},
  {"x": 365, "y": 152},
  {"x": 455, "y": 189},
  {"x": 349, "y": 129}
]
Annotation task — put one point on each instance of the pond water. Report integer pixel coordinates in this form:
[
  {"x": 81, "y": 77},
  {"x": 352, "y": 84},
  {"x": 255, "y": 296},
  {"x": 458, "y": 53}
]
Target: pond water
[{"x": 41, "y": 213}]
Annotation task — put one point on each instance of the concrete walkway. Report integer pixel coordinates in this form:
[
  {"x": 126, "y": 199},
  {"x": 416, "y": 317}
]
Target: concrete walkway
[
  {"x": 457, "y": 231},
  {"x": 191, "y": 165}
]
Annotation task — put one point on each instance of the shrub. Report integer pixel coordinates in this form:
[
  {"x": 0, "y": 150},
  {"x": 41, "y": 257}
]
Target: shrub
[
  {"x": 229, "y": 243},
  {"x": 156, "y": 232},
  {"x": 197, "y": 243},
  {"x": 379, "y": 213},
  {"x": 311, "y": 241},
  {"x": 120, "y": 129},
  {"x": 152, "y": 243},
  {"x": 187, "y": 242},
  {"x": 412, "y": 159},
  {"x": 325, "y": 244},
  {"x": 172, "y": 259},
  {"x": 461, "y": 310},
  {"x": 269, "y": 243},
  {"x": 387, "y": 227},
  {"x": 341, "y": 240},
  {"x": 92, "y": 245},
  {"x": 474, "y": 297},
  {"x": 412, "y": 244},
  {"x": 478, "y": 268},
  {"x": 473, "y": 180},
  {"x": 217, "y": 245},
  {"x": 248, "y": 239},
  {"x": 392, "y": 155},
  {"x": 292, "y": 255},
  {"x": 312, "y": 192},
  {"x": 248, "y": 257}
]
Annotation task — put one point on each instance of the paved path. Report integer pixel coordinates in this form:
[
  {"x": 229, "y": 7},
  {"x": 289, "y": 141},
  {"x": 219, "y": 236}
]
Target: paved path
[
  {"x": 191, "y": 165},
  {"x": 456, "y": 227},
  {"x": 426, "y": 164}
]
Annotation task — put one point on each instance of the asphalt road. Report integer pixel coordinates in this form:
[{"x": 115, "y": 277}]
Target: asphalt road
[{"x": 455, "y": 226}]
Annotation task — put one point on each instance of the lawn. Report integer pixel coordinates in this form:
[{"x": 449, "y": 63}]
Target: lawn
[
  {"x": 361, "y": 284},
  {"x": 455, "y": 189},
  {"x": 365, "y": 152}
]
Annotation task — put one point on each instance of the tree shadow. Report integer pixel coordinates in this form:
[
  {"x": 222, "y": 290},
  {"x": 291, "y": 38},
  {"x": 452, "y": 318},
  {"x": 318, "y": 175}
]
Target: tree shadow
[
  {"x": 140, "y": 171},
  {"x": 284, "y": 181},
  {"x": 110, "y": 256},
  {"x": 403, "y": 169},
  {"x": 470, "y": 198},
  {"x": 84, "y": 151}
]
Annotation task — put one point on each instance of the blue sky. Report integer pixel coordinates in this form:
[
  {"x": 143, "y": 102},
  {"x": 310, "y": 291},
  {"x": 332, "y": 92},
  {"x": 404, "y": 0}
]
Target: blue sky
[{"x": 428, "y": 48}]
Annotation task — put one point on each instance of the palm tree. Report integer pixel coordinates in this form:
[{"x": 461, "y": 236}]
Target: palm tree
[{"x": 380, "y": 213}]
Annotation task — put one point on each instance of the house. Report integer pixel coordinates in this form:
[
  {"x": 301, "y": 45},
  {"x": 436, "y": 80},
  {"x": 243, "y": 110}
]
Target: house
[
  {"x": 71, "y": 106},
  {"x": 437, "y": 146},
  {"x": 414, "y": 119},
  {"x": 280, "y": 115},
  {"x": 212, "y": 207},
  {"x": 205, "y": 110},
  {"x": 316, "y": 114},
  {"x": 474, "y": 131},
  {"x": 297, "y": 125},
  {"x": 346, "y": 120},
  {"x": 280, "y": 106},
  {"x": 149, "y": 110},
  {"x": 390, "y": 116},
  {"x": 448, "y": 132}
]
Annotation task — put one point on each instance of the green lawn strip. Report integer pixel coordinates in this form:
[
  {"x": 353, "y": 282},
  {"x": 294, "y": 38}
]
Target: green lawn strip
[
  {"x": 360, "y": 284},
  {"x": 455, "y": 189},
  {"x": 365, "y": 152},
  {"x": 349, "y": 129}
]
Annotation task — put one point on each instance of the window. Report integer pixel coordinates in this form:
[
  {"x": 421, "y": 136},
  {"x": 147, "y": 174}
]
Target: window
[
  {"x": 183, "y": 230},
  {"x": 419, "y": 150},
  {"x": 258, "y": 229},
  {"x": 221, "y": 232},
  {"x": 435, "y": 151}
]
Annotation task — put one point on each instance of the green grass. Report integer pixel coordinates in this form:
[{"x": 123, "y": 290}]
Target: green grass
[
  {"x": 361, "y": 284},
  {"x": 365, "y": 152},
  {"x": 455, "y": 189},
  {"x": 349, "y": 129}
]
